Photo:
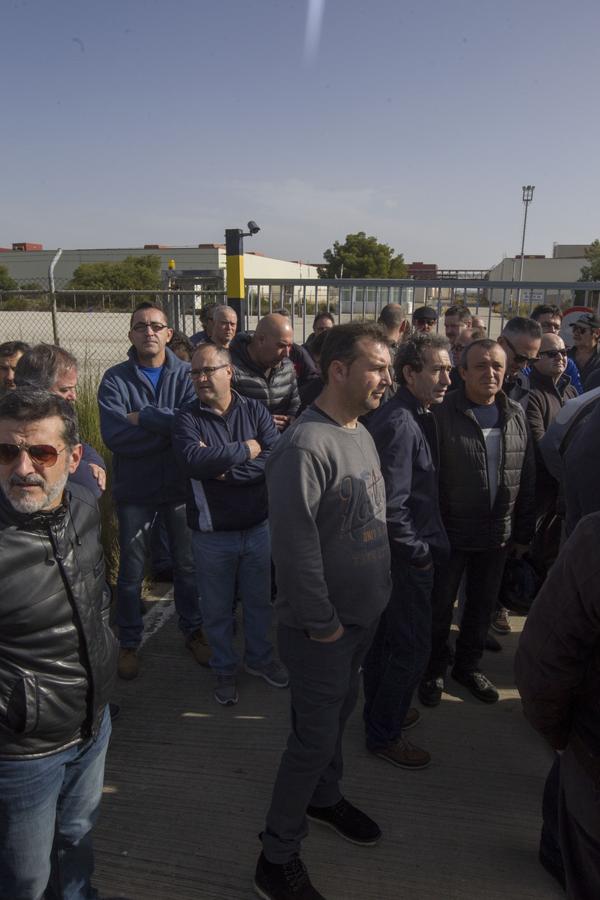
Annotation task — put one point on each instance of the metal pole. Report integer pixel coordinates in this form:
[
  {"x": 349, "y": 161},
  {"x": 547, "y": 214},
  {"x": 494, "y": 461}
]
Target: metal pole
[
  {"x": 528, "y": 190},
  {"x": 55, "y": 259},
  {"x": 236, "y": 294}
]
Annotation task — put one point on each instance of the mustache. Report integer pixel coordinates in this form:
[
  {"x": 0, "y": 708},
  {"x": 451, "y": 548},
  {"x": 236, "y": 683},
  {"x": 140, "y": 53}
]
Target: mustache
[{"x": 16, "y": 480}]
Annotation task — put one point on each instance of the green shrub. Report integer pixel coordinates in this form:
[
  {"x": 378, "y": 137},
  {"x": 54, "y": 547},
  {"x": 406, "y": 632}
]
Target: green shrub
[{"x": 89, "y": 424}]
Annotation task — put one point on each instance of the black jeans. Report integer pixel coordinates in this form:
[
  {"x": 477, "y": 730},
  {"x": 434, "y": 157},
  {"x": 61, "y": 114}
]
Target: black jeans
[
  {"x": 398, "y": 655},
  {"x": 324, "y": 681},
  {"x": 484, "y": 571}
]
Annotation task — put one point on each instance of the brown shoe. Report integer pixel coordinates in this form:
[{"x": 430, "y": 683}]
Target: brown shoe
[
  {"x": 412, "y": 717},
  {"x": 198, "y": 644},
  {"x": 404, "y": 755},
  {"x": 128, "y": 665}
]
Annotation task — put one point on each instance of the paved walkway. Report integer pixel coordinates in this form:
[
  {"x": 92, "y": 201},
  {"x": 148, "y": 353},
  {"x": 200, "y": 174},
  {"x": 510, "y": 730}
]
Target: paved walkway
[{"x": 188, "y": 783}]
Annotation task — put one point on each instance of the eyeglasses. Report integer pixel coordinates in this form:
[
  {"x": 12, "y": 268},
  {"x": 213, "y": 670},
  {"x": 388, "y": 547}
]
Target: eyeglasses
[
  {"x": 40, "y": 454},
  {"x": 207, "y": 371},
  {"x": 581, "y": 329},
  {"x": 520, "y": 358},
  {"x": 552, "y": 354},
  {"x": 155, "y": 326}
]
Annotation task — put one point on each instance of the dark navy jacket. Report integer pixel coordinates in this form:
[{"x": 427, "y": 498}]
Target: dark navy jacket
[
  {"x": 144, "y": 467},
  {"x": 239, "y": 500},
  {"x": 83, "y": 474},
  {"x": 406, "y": 440}
]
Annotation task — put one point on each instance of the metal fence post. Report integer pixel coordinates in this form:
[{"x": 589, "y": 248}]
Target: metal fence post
[{"x": 54, "y": 312}]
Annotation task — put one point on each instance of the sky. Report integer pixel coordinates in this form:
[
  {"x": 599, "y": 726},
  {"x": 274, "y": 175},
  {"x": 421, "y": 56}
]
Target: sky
[{"x": 127, "y": 122}]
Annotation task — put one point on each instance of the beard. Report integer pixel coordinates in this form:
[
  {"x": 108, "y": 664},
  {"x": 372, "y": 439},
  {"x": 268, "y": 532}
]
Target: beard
[{"x": 29, "y": 503}]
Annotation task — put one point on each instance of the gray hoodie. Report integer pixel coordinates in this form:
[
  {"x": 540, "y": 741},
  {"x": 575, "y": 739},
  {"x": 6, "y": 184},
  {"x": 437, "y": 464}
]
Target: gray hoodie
[{"x": 328, "y": 526}]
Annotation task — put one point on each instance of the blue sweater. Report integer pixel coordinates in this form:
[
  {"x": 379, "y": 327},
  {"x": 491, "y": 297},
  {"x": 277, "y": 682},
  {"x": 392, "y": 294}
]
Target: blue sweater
[
  {"x": 144, "y": 467},
  {"x": 239, "y": 500}
]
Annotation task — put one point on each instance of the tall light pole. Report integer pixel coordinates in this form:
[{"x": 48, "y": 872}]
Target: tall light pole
[{"x": 528, "y": 190}]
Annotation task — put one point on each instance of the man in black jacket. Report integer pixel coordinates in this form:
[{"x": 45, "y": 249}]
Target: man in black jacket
[
  {"x": 405, "y": 435},
  {"x": 487, "y": 482},
  {"x": 557, "y": 670},
  {"x": 57, "y": 654},
  {"x": 263, "y": 370}
]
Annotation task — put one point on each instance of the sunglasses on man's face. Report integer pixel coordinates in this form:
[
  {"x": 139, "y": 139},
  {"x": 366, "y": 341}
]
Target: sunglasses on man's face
[
  {"x": 579, "y": 329},
  {"x": 44, "y": 455},
  {"x": 519, "y": 358},
  {"x": 552, "y": 354}
]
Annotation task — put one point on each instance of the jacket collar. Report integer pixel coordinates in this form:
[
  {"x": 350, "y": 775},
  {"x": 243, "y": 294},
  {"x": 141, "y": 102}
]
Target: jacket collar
[
  {"x": 203, "y": 409},
  {"x": 507, "y": 407},
  {"x": 409, "y": 401},
  {"x": 39, "y": 521},
  {"x": 546, "y": 383},
  {"x": 171, "y": 361}
]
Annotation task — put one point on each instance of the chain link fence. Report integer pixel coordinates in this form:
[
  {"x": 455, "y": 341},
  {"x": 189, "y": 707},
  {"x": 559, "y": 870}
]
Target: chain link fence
[{"x": 94, "y": 324}]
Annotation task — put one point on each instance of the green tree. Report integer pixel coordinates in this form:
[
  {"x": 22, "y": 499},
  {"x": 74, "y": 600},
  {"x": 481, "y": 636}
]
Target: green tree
[
  {"x": 134, "y": 273},
  {"x": 362, "y": 257},
  {"x": 590, "y": 273},
  {"x": 6, "y": 282},
  {"x": 592, "y": 254}
]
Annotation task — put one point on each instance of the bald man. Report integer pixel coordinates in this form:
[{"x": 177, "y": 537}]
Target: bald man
[{"x": 263, "y": 370}]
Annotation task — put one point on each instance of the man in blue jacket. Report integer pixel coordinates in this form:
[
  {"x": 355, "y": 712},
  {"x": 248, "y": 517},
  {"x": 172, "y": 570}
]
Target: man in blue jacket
[
  {"x": 221, "y": 441},
  {"x": 138, "y": 399},
  {"x": 405, "y": 435}
]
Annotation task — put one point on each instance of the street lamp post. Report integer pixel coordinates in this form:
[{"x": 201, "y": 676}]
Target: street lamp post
[{"x": 528, "y": 190}]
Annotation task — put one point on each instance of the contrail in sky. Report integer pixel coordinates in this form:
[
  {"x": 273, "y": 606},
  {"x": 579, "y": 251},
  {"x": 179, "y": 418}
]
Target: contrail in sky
[{"x": 314, "y": 22}]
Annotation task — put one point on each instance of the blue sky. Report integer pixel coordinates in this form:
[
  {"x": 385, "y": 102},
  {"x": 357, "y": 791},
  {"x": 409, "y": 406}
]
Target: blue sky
[{"x": 140, "y": 121}]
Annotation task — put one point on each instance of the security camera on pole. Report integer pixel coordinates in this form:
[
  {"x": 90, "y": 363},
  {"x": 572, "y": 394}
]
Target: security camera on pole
[{"x": 234, "y": 250}]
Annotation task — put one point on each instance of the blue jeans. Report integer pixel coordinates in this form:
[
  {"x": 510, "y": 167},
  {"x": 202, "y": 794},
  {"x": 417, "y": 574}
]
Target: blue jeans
[
  {"x": 222, "y": 559},
  {"x": 48, "y": 807},
  {"x": 135, "y": 523},
  {"x": 398, "y": 655}
]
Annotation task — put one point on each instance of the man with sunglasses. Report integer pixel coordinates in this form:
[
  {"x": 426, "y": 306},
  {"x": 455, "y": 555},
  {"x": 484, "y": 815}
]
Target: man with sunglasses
[
  {"x": 222, "y": 441},
  {"x": 51, "y": 368},
  {"x": 57, "y": 653},
  {"x": 550, "y": 388},
  {"x": 520, "y": 340},
  {"x": 585, "y": 351},
  {"x": 424, "y": 319},
  {"x": 138, "y": 400},
  {"x": 549, "y": 317}
]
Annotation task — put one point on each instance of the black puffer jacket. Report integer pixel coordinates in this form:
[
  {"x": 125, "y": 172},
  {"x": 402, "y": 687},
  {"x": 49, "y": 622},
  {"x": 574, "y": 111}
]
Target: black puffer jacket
[
  {"x": 57, "y": 653},
  {"x": 464, "y": 487},
  {"x": 278, "y": 391}
]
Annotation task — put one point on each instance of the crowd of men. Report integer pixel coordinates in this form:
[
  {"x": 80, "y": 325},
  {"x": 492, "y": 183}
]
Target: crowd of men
[{"x": 414, "y": 468}]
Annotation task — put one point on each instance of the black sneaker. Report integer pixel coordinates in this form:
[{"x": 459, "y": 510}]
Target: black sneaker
[
  {"x": 430, "y": 691},
  {"x": 289, "y": 881},
  {"x": 476, "y": 682},
  {"x": 348, "y": 821}
]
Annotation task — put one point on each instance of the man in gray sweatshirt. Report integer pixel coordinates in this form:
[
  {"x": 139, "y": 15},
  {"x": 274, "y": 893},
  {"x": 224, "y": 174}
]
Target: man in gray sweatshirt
[{"x": 330, "y": 546}]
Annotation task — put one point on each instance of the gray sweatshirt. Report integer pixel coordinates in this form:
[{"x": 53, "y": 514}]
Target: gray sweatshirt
[{"x": 328, "y": 526}]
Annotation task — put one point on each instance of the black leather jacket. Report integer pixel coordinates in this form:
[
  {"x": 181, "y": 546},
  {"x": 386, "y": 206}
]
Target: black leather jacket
[{"x": 57, "y": 653}]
